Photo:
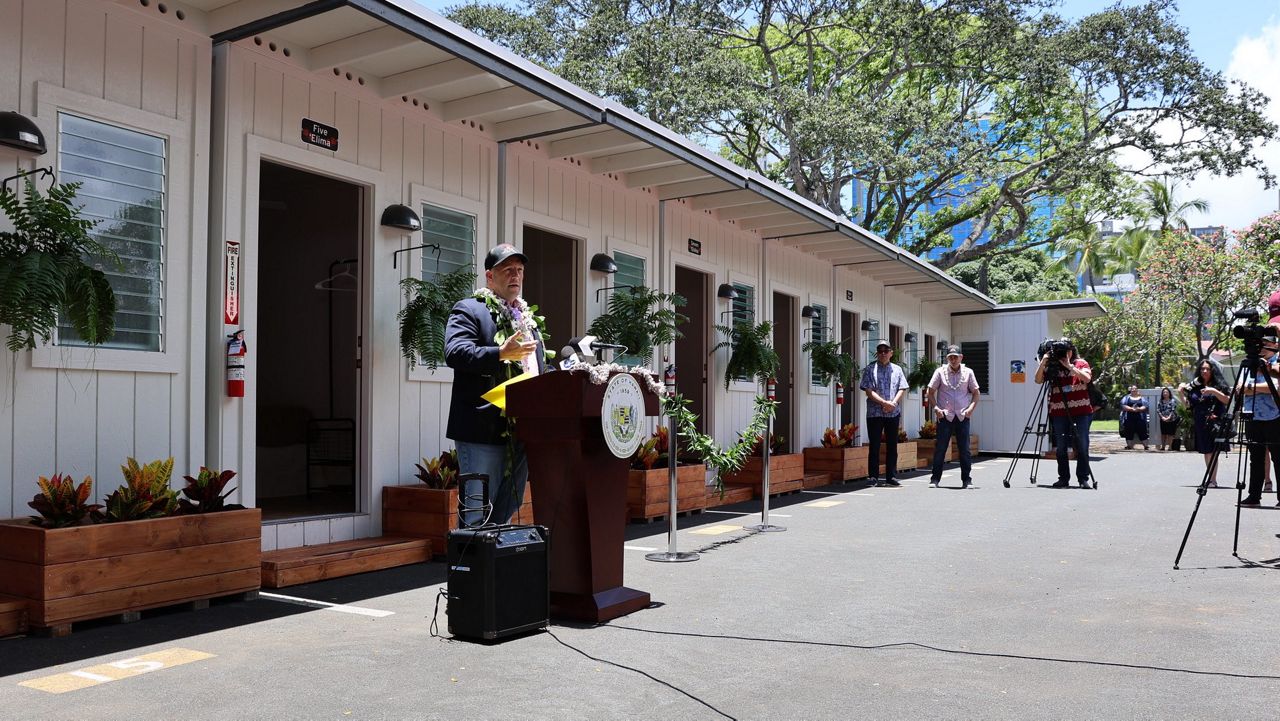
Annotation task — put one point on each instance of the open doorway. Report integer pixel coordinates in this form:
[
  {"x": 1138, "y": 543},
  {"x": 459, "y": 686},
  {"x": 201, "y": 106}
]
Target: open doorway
[
  {"x": 307, "y": 343},
  {"x": 692, "y": 348},
  {"x": 784, "y": 330},
  {"x": 551, "y": 282}
]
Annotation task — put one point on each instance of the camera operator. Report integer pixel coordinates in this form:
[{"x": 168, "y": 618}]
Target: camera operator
[
  {"x": 1206, "y": 396},
  {"x": 1070, "y": 409},
  {"x": 1263, "y": 429}
]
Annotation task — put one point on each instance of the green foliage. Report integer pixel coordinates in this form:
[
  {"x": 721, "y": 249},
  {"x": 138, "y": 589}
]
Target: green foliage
[
  {"x": 1261, "y": 244},
  {"x": 999, "y": 102},
  {"x": 830, "y": 363},
  {"x": 723, "y": 460},
  {"x": 1017, "y": 278},
  {"x": 43, "y": 270},
  {"x": 426, "y": 310},
  {"x": 922, "y": 372},
  {"x": 61, "y": 502},
  {"x": 639, "y": 318},
  {"x": 145, "y": 493},
  {"x": 1134, "y": 337},
  {"x": 205, "y": 494},
  {"x": 440, "y": 473},
  {"x": 751, "y": 353}
]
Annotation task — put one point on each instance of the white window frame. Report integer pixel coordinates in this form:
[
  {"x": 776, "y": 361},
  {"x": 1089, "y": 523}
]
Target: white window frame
[
  {"x": 178, "y": 234},
  {"x": 815, "y": 390},
  {"x": 617, "y": 245},
  {"x": 735, "y": 278},
  {"x": 420, "y": 195}
]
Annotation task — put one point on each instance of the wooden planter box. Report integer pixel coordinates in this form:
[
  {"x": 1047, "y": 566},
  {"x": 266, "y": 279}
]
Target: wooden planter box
[
  {"x": 417, "y": 511},
  {"x": 843, "y": 464},
  {"x": 907, "y": 456},
  {"x": 786, "y": 473},
  {"x": 92, "y": 571},
  {"x": 925, "y": 446},
  {"x": 649, "y": 492}
]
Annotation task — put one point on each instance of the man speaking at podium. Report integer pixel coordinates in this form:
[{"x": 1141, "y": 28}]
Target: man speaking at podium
[{"x": 491, "y": 338}]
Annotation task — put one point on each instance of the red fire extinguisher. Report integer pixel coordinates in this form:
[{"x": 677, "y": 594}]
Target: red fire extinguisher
[
  {"x": 236, "y": 351},
  {"x": 771, "y": 389},
  {"x": 839, "y": 393}
]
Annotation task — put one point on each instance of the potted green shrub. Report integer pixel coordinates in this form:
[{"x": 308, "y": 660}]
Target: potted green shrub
[
  {"x": 640, "y": 319},
  {"x": 921, "y": 373},
  {"x": 137, "y": 555},
  {"x": 425, "y": 312},
  {"x": 43, "y": 269},
  {"x": 830, "y": 363},
  {"x": 751, "y": 353}
]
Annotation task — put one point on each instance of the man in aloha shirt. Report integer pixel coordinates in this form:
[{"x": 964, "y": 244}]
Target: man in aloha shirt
[{"x": 885, "y": 383}]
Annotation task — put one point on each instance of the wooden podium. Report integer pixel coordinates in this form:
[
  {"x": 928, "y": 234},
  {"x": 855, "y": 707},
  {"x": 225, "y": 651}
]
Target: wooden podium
[{"x": 579, "y": 492}]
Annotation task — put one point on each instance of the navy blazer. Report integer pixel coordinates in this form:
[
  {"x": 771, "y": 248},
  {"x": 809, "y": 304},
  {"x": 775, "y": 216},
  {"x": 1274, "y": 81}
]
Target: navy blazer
[{"x": 470, "y": 351}]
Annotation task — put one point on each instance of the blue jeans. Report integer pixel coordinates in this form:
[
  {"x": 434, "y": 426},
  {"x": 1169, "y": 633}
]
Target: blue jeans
[
  {"x": 947, "y": 429},
  {"x": 875, "y": 425},
  {"x": 1062, "y": 433},
  {"x": 505, "y": 493}
]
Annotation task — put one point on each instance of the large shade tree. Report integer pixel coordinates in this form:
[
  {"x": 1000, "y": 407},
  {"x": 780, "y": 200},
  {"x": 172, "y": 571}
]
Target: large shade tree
[{"x": 918, "y": 119}]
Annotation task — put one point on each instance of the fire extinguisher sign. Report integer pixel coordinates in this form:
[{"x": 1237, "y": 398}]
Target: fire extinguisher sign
[{"x": 231, "y": 304}]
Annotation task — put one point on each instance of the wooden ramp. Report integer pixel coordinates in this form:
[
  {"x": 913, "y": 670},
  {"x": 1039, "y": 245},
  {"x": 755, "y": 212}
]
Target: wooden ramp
[
  {"x": 13, "y": 616},
  {"x": 292, "y": 566}
]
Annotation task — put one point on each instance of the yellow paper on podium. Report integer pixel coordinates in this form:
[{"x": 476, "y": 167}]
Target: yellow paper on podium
[{"x": 497, "y": 395}]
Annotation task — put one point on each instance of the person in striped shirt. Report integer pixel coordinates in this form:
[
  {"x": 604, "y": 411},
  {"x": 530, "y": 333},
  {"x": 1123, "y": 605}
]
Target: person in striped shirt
[{"x": 1070, "y": 410}]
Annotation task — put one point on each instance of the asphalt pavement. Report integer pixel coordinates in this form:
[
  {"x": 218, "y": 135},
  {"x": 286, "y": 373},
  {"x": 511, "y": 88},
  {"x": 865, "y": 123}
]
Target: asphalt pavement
[{"x": 875, "y": 603}]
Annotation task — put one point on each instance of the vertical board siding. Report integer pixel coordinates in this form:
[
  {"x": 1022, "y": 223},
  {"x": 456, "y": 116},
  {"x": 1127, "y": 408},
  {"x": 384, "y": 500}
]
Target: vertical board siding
[{"x": 85, "y": 421}]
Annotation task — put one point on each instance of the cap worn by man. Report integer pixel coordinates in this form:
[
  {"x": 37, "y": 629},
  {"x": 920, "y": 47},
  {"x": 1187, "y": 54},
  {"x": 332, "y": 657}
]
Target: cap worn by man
[
  {"x": 882, "y": 344},
  {"x": 953, "y": 350},
  {"x": 500, "y": 253},
  {"x": 1273, "y": 307}
]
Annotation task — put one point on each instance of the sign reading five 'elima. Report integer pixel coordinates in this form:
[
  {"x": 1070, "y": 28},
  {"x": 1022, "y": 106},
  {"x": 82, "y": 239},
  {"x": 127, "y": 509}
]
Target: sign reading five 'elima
[{"x": 326, "y": 136}]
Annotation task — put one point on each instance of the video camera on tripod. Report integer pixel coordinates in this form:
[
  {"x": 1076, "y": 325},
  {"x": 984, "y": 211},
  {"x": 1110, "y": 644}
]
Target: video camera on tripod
[
  {"x": 1252, "y": 332},
  {"x": 1054, "y": 348}
]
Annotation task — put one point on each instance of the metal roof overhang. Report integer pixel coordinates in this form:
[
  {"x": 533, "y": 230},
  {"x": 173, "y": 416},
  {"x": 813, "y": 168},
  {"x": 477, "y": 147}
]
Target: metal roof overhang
[
  {"x": 397, "y": 48},
  {"x": 1069, "y": 309}
]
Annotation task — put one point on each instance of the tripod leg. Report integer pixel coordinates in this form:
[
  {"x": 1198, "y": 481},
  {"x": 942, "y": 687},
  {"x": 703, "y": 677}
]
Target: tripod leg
[{"x": 1192, "y": 521}]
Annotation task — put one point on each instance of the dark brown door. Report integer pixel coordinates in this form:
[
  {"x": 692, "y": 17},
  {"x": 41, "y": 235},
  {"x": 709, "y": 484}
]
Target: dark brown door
[
  {"x": 784, "y": 309},
  {"x": 550, "y": 282},
  {"x": 691, "y": 348}
]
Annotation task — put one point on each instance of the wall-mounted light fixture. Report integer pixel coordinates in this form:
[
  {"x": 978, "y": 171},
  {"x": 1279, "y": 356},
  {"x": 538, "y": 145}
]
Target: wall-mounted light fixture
[
  {"x": 808, "y": 311},
  {"x": 868, "y": 325},
  {"x": 909, "y": 338},
  {"x": 942, "y": 345},
  {"x": 727, "y": 291},
  {"x": 603, "y": 263},
  {"x": 402, "y": 217},
  {"x": 19, "y": 132}
]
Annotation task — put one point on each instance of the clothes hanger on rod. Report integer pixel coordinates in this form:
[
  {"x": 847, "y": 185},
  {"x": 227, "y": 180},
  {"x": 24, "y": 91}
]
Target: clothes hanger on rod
[{"x": 331, "y": 284}]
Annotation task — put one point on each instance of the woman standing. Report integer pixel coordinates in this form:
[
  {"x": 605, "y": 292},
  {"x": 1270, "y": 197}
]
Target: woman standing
[
  {"x": 1167, "y": 410},
  {"x": 1207, "y": 397},
  {"x": 1135, "y": 425}
]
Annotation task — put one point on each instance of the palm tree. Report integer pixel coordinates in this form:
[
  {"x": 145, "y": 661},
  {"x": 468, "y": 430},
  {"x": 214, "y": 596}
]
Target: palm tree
[
  {"x": 1160, "y": 203},
  {"x": 1132, "y": 248},
  {"x": 1093, "y": 255}
]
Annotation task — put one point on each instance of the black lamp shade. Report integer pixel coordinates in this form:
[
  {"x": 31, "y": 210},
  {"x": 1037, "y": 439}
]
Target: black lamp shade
[
  {"x": 603, "y": 263},
  {"x": 18, "y": 131},
  {"x": 942, "y": 345},
  {"x": 402, "y": 217},
  {"x": 808, "y": 312},
  {"x": 910, "y": 338},
  {"x": 867, "y": 325},
  {"x": 727, "y": 291}
]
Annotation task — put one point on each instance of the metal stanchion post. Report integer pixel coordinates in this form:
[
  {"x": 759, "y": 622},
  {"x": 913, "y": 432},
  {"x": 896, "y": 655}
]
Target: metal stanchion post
[
  {"x": 671, "y": 555},
  {"x": 764, "y": 525}
]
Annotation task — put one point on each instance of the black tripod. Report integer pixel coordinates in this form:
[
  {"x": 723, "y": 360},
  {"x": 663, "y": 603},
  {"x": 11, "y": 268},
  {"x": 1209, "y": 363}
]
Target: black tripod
[
  {"x": 1229, "y": 425},
  {"x": 1038, "y": 425}
]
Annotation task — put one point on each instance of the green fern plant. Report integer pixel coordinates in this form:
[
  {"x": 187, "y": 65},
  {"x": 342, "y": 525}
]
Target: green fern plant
[
  {"x": 61, "y": 502},
  {"x": 145, "y": 493},
  {"x": 921, "y": 373},
  {"x": 829, "y": 362},
  {"x": 43, "y": 269},
  {"x": 426, "y": 311},
  {"x": 640, "y": 318},
  {"x": 751, "y": 354}
]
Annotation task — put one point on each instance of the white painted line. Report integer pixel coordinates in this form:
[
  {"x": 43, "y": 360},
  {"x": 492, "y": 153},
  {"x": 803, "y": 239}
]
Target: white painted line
[
  {"x": 638, "y": 548},
  {"x": 824, "y": 504},
  {"x": 780, "y": 515},
  {"x": 326, "y": 606}
]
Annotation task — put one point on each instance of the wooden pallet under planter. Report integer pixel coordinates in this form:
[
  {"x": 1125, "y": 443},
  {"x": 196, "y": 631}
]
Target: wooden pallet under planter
[
  {"x": 786, "y": 474},
  {"x": 306, "y": 564},
  {"x": 417, "y": 511},
  {"x": 649, "y": 492},
  {"x": 844, "y": 464},
  {"x": 908, "y": 459},
  {"x": 93, "y": 571}
]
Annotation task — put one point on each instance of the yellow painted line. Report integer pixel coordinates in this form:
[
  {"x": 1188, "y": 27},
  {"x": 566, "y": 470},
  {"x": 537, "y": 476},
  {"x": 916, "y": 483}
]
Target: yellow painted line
[
  {"x": 824, "y": 504},
  {"x": 716, "y": 530},
  {"x": 116, "y": 670}
]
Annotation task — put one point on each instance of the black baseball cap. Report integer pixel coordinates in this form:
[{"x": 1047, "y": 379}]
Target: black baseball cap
[
  {"x": 499, "y": 253},
  {"x": 954, "y": 350}
]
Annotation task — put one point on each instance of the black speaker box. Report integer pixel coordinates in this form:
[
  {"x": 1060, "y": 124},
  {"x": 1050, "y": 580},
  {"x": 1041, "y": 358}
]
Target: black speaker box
[{"x": 498, "y": 581}]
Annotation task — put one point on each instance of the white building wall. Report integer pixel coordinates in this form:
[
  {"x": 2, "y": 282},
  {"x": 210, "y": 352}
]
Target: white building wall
[
  {"x": 1003, "y": 409},
  {"x": 83, "y": 412}
]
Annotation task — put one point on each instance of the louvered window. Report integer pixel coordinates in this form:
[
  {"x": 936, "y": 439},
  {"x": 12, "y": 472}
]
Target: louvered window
[
  {"x": 976, "y": 356},
  {"x": 820, "y": 333},
  {"x": 744, "y": 311},
  {"x": 455, "y": 233},
  {"x": 122, "y": 174},
  {"x": 631, "y": 274}
]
